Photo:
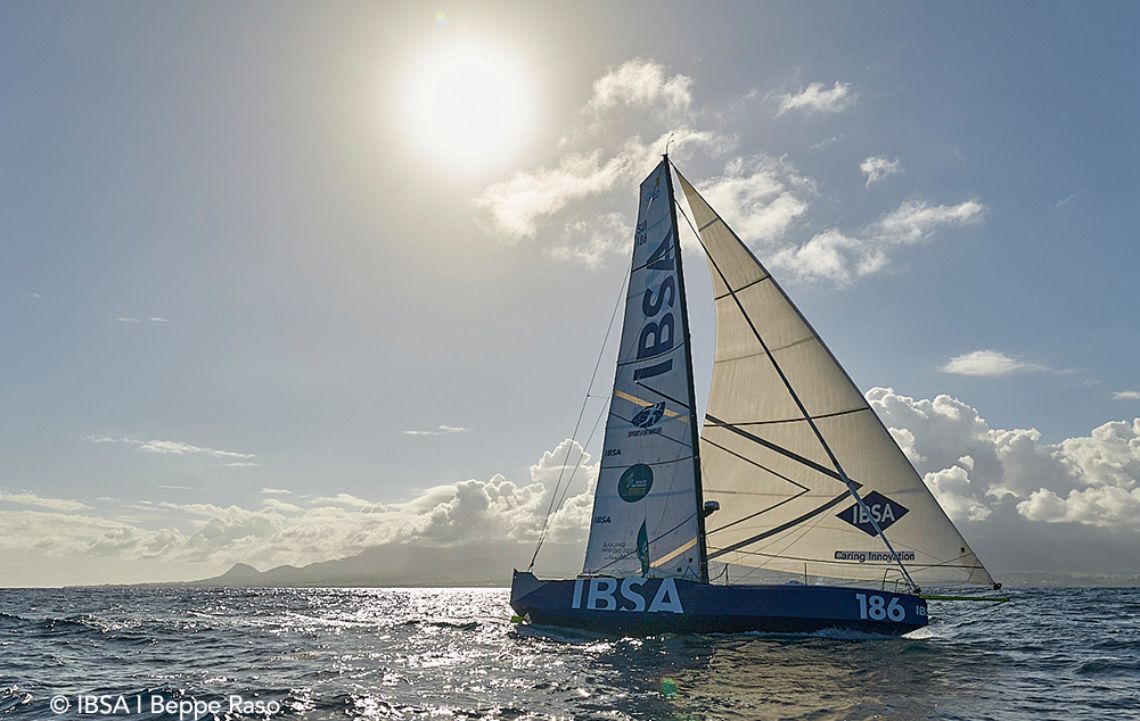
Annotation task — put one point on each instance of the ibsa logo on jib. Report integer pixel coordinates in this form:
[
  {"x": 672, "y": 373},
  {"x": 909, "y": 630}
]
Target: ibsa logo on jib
[{"x": 877, "y": 507}]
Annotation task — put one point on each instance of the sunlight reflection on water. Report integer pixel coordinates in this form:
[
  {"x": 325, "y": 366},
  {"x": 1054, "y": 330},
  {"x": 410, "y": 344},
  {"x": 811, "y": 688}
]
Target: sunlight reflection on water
[{"x": 432, "y": 653}]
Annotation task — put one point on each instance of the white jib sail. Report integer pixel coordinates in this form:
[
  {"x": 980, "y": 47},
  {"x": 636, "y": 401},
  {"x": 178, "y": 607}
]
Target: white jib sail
[
  {"x": 645, "y": 520},
  {"x": 782, "y": 505}
]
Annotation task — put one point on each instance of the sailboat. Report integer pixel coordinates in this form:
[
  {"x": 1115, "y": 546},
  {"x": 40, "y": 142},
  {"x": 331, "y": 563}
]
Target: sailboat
[{"x": 792, "y": 510}]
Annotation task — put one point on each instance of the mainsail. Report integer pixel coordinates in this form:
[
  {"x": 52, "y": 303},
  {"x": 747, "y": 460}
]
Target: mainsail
[
  {"x": 646, "y": 520},
  {"x": 784, "y": 506}
]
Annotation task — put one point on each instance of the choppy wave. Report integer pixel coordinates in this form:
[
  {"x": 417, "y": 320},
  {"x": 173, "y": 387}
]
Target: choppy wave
[{"x": 432, "y": 653}]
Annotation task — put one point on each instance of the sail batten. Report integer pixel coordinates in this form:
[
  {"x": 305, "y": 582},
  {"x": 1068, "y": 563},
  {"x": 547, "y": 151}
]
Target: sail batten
[{"x": 781, "y": 407}]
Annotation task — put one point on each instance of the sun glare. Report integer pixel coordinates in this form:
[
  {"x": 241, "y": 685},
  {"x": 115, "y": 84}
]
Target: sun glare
[{"x": 467, "y": 104}]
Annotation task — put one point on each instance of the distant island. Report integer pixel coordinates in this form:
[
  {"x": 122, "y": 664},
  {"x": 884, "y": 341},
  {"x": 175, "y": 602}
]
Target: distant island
[
  {"x": 487, "y": 565},
  {"x": 398, "y": 565}
]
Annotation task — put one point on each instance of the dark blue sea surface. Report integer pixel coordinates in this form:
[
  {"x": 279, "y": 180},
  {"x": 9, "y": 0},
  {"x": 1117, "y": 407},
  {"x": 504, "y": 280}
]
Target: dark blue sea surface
[{"x": 453, "y": 654}]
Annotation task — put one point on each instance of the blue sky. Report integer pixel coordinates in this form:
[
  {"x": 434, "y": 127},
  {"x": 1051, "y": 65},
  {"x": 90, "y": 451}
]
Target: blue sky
[{"x": 231, "y": 261}]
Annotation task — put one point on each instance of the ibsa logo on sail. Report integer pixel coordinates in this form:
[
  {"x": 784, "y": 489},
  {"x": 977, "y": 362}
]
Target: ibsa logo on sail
[{"x": 604, "y": 594}]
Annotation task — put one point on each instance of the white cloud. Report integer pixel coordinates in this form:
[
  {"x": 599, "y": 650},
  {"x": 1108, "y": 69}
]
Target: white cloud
[
  {"x": 1066, "y": 200},
  {"x": 594, "y": 240},
  {"x": 132, "y": 319},
  {"x": 839, "y": 257},
  {"x": 176, "y": 448},
  {"x": 983, "y": 476},
  {"x": 825, "y": 142},
  {"x": 915, "y": 221},
  {"x": 979, "y": 472},
  {"x": 517, "y": 205},
  {"x": 878, "y": 168},
  {"x": 1126, "y": 396},
  {"x": 578, "y": 203},
  {"x": 954, "y": 491},
  {"x": 27, "y": 498},
  {"x": 1097, "y": 506},
  {"x": 817, "y": 98},
  {"x": 276, "y": 492},
  {"x": 762, "y": 195},
  {"x": 830, "y": 255},
  {"x": 276, "y": 532},
  {"x": 642, "y": 83},
  {"x": 443, "y": 430},
  {"x": 988, "y": 363}
]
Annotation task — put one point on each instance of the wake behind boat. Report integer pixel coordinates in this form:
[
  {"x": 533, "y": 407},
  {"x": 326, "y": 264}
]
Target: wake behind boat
[{"x": 792, "y": 474}]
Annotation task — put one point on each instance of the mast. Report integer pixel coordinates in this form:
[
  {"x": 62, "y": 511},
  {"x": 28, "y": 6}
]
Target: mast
[{"x": 694, "y": 430}]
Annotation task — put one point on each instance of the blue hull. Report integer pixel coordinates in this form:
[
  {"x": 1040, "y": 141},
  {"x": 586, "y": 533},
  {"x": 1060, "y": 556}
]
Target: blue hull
[{"x": 636, "y": 606}]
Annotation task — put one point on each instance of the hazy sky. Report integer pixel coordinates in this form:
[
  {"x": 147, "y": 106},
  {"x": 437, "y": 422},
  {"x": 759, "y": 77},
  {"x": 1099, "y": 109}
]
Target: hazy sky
[{"x": 277, "y": 281}]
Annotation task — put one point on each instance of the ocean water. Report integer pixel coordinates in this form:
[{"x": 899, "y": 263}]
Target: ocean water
[{"x": 453, "y": 654}]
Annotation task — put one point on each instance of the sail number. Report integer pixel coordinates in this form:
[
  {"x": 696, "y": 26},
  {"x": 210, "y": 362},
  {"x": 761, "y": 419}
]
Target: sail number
[{"x": 876, "y": 608}]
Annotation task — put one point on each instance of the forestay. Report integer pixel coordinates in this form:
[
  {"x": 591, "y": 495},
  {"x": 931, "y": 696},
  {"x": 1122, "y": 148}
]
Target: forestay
[
  {"x": 645, "y": 520},
  {"x": 783, "y": 505}
]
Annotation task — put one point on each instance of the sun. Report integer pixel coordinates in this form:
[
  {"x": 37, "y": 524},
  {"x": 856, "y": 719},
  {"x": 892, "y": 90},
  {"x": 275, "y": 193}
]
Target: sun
[{"x": 468, "y": 104}]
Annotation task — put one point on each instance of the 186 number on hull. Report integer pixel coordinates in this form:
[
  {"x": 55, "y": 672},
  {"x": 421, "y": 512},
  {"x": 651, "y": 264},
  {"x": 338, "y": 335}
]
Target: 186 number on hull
[{"x": 876, "y": 608}]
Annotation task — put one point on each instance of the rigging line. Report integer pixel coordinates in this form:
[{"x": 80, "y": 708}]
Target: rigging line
[
  {"x": 718, "y": 423},
  {"x": 744, "y": 287},
  {"x": 581, "y": 457},
  {"x": 759, "y": 465},
  {"x": 783, "y": 526},
  {"x": 834, "y": 414},
  {"x": 795, "y": 397},
  {"x": 577, "y": 423}
]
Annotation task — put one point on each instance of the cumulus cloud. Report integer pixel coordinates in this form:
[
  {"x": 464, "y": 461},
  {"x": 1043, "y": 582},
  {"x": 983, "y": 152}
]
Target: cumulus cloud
[
  {"x": 442, "y": 430},
  {"x": 763, "y": 195},
  {"x": 840, "y": 257},
  {"x": 642, "y": 83},
  {"x": 988, "y": 363},
  {"x": 979, "y": 472},
  {"x": 986, "y": 478},
  {"x": 914, "y": 221},
  {"x": 275, "y": 531},
  {"x": 818, "y": 98},
  {"x": 176, "y": 448},
  {"x": 577, "y": 203},
  {"x": 1126, "y": 396},
  {"x": 877, "y": 168},
  {"x": 955, "y": 492},
  {"x": 519, "y": 205}
]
